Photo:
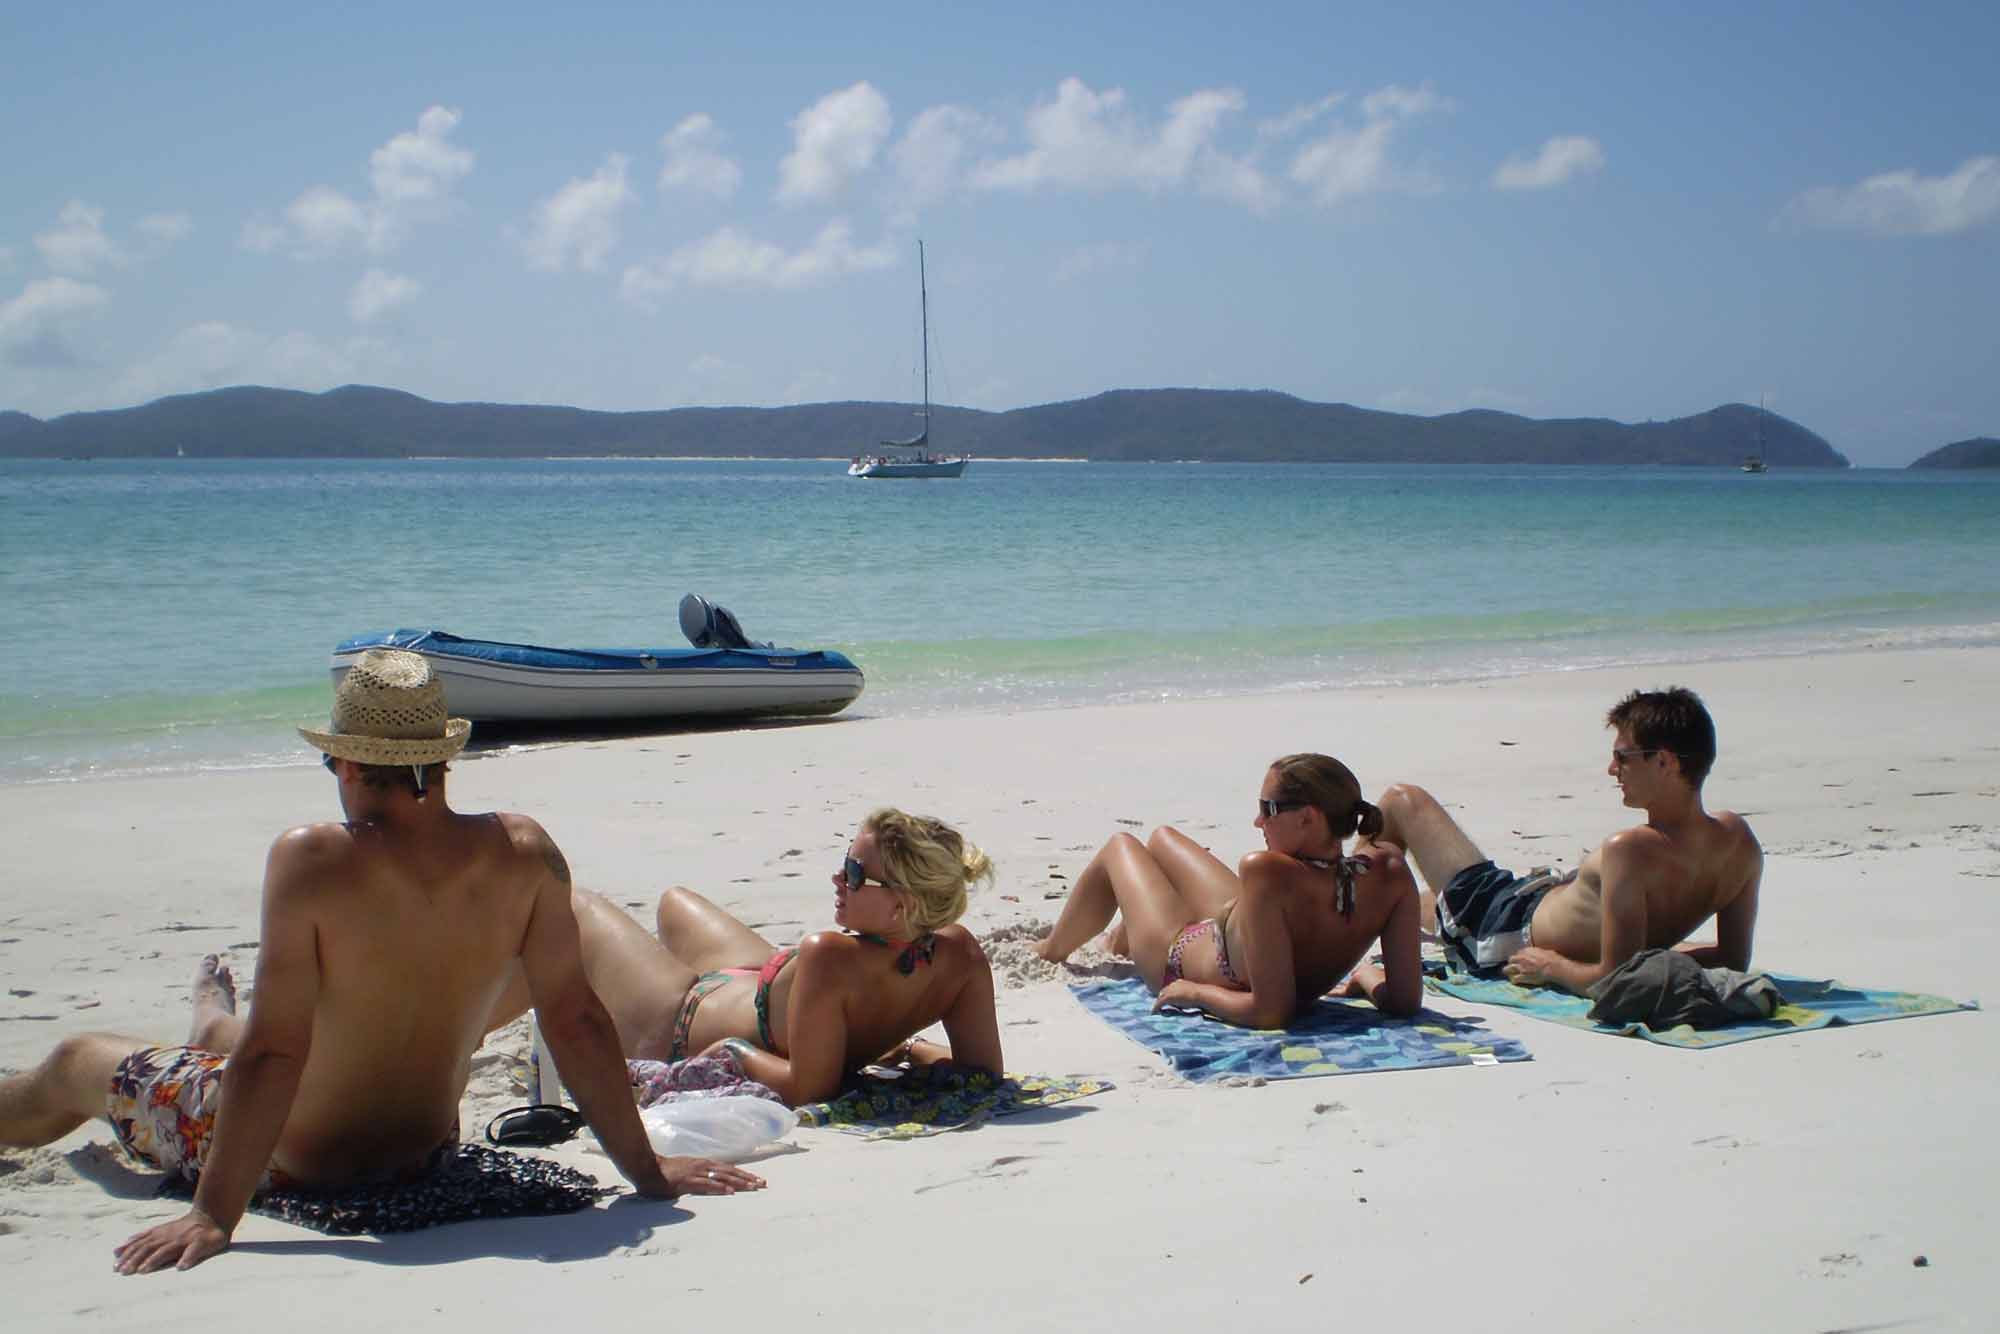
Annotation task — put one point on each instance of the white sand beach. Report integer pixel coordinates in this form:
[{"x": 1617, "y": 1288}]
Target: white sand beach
[{"x": 1786, "y": 1184}]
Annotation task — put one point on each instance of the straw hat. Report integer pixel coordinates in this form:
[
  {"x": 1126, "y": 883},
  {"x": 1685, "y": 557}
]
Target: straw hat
[{"x": 389, "y": 709}]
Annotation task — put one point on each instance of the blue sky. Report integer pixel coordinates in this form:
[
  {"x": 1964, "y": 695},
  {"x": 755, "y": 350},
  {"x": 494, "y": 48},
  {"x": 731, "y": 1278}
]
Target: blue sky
[{"x": 1632, "y": 211}]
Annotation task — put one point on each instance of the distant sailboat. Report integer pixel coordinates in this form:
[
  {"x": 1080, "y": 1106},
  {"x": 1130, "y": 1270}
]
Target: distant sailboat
[
  {"x": 923, "y": 463},
  {"x": 1754, "y": 461}
]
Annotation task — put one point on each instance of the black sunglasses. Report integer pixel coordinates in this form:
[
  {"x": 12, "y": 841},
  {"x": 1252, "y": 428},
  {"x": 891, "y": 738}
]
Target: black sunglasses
[
  {"x": 1272, "y": 807},
  {"x": 540, "y": 1125},
  {"x": 1634, "y": 753},
  {"x": 854, "y": 875}
]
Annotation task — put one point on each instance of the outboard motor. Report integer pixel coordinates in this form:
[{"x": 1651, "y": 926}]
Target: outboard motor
[{"x": 709, "y": 626}]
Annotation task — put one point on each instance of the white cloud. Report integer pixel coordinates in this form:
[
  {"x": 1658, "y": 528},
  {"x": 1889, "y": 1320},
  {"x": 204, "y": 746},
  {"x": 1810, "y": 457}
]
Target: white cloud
[
  {"x": 34, "y": 325},
  {"x": 1354, "y": 160},
  {"x": 167, "y": 228},
  {"x": 1289, "y": 124},
  {"x": 728, "y": 258},
  {"x": 578, "y": 224},
  {"x": 694, "y": 162},
  {"x": 930, "y": 154},
  {"x": 1902, "y": 203},
  {"x": 420, "y": 166},
  {"x": 410, "y": 177},
  {"x": 1559, "y": 160},
  {"x": 77, "y": 245},
  {"x": 378, "y": 293},
  {"x": 1096, "y": 259},
  {"x": 833, "y": 140},
  {"x": 1084, "y": 139}
]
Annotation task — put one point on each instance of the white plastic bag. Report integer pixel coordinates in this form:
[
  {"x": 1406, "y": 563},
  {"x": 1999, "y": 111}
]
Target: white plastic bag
[{"x": 729, "y": 1128}]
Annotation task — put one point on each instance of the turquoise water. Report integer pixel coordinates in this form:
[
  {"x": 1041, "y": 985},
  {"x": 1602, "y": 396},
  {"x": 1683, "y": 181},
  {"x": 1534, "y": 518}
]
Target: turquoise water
[{"x": 173, "y": 615}]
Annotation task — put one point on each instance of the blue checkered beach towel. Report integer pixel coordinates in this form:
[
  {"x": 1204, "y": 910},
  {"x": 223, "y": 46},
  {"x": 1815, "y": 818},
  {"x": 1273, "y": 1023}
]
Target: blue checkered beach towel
[
  {"x": 1331, "y": 1037},
  {"x": 1808, "y": 1004}
]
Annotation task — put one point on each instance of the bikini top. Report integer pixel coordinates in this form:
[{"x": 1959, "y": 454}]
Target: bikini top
[
  {"x": 1344, "y": 870},
  {"x": 910, "y": 952}
]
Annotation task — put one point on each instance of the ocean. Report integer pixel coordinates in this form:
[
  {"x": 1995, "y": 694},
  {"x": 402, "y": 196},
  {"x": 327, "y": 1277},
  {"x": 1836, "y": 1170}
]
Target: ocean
[{"x": 171, "y": 615}]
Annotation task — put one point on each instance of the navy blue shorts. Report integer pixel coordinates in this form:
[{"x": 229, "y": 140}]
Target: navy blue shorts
[{"x": 1483, "y": 915}]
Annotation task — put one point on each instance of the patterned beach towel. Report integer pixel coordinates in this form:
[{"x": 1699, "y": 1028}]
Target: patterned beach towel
[
  {"x": 1808, "y": 1004},
  {"x": 912, "y": 1102},
  {"x": 469, "y": 1181},
  {"x": 1333, "y": 1037}
]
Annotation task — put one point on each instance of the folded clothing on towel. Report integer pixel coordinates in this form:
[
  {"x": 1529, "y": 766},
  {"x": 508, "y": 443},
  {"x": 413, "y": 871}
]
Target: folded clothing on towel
[{"x": 1666, "y": 988}]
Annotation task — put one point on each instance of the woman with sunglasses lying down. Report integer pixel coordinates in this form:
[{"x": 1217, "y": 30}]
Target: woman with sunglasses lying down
[
  {"x": 1256, "y": 945},
  {"x": 799, "y": 1019}
]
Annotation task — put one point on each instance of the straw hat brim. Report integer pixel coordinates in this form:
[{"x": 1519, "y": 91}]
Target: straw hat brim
[{"x": 393, "y": 750}]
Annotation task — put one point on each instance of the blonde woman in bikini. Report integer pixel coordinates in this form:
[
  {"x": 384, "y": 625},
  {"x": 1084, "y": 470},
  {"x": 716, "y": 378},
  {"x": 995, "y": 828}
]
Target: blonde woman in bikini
[
  {"x": 800, "y": 1018},
  {"x": 1256, "y": 945}
]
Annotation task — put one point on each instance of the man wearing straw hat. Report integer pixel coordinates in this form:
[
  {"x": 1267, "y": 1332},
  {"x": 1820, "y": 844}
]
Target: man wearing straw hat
[{"x": 386, "y": 940}]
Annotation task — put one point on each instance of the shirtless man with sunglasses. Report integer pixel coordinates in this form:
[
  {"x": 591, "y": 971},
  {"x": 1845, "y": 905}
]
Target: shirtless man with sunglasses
[{"x": 1647, "y": 887}]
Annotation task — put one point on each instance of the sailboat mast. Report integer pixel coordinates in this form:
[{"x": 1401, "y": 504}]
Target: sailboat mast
[{"x": 924, "y": 303}]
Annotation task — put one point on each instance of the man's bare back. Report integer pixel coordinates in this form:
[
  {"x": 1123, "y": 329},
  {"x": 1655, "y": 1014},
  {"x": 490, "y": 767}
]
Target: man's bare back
[{"x": 415, "y": 937}]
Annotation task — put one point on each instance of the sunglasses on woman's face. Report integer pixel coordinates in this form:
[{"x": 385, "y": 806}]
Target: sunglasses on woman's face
[
  {"x": 1272, "y": 807},
  {"x": 854, "y": 875}
]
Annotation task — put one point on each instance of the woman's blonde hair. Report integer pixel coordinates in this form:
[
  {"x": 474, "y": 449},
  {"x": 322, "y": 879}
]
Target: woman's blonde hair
[
  {"x": 930, "y": 864},
  {"x": 1331, "y": 788}
]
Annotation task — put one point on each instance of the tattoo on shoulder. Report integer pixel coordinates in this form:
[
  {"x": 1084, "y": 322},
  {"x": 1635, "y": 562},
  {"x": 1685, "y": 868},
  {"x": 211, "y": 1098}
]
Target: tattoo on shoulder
[{"x": 552, "y": 855}]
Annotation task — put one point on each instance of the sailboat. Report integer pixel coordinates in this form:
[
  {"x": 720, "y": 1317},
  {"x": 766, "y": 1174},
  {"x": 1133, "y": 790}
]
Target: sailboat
[
  {"x": 922, "y": 463},
  {"x": 1754, "y": 461}
]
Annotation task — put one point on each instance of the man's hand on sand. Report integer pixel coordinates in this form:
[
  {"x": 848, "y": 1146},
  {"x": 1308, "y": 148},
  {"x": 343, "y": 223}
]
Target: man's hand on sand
[
  {"x": 706, "y": 1176},
  {"x": 183, "y": 1243},
  {"x": 1530, "y": 967}
]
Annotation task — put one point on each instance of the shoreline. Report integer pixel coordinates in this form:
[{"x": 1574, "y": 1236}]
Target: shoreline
[
  {"x": 270, "y": 745},
  {"x": 1796, "y": 1177}
]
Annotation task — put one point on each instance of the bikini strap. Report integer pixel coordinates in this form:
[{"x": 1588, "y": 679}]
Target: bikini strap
[{"x": 910, "y": 952}]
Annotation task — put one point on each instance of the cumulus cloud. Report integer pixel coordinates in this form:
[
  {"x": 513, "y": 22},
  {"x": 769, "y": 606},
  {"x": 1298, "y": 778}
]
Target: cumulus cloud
[
  {"x": 1902, "y": 203},
  {"x": 378, "y": 293},
  {"x": 694, "y": 160},
  {"x": 420, "y": 165},
  {"x": 1298, "y": 118},
  {"x": 578, "y": 224},
  {"x": 1084, "y": 139},
  {"x": 930, "y": 156},
  {"x": 411, "y": 178},
  {"x": 35, "y": 325},
  {"x": 167, "y": 228},
  {"x": 833, "y": 140},
  {"x": 77, "y": 245},
  {"x": 728, "y": 258},
  {"x": 1352, "y": 160},
  {"x": 1559, "y": 160}
]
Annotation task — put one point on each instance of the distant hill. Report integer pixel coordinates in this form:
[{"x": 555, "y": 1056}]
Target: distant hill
[
  {"x": 1979, "y": 452},
  {"x": 358, "y": 421}
]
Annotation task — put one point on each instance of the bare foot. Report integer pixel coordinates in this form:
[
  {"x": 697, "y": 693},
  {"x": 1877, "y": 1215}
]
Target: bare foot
[
  {"x": 1041, "y": 949},
  {"x": 214, "y": 996},
  {"x": 1116, "y": 941}
]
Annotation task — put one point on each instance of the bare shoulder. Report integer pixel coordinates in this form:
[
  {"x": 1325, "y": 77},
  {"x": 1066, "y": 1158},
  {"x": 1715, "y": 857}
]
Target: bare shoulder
[
  {"x": 962, "y": 947},
  {"x": 1385, "y": 860},
  {"x": 1264, "y": 869},
  {"x": 828, "y": 950},
  {"x": 1736, "y": 830},
  {"x": 301, "y": 854},
  {"x": 530, "y": 842}
]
